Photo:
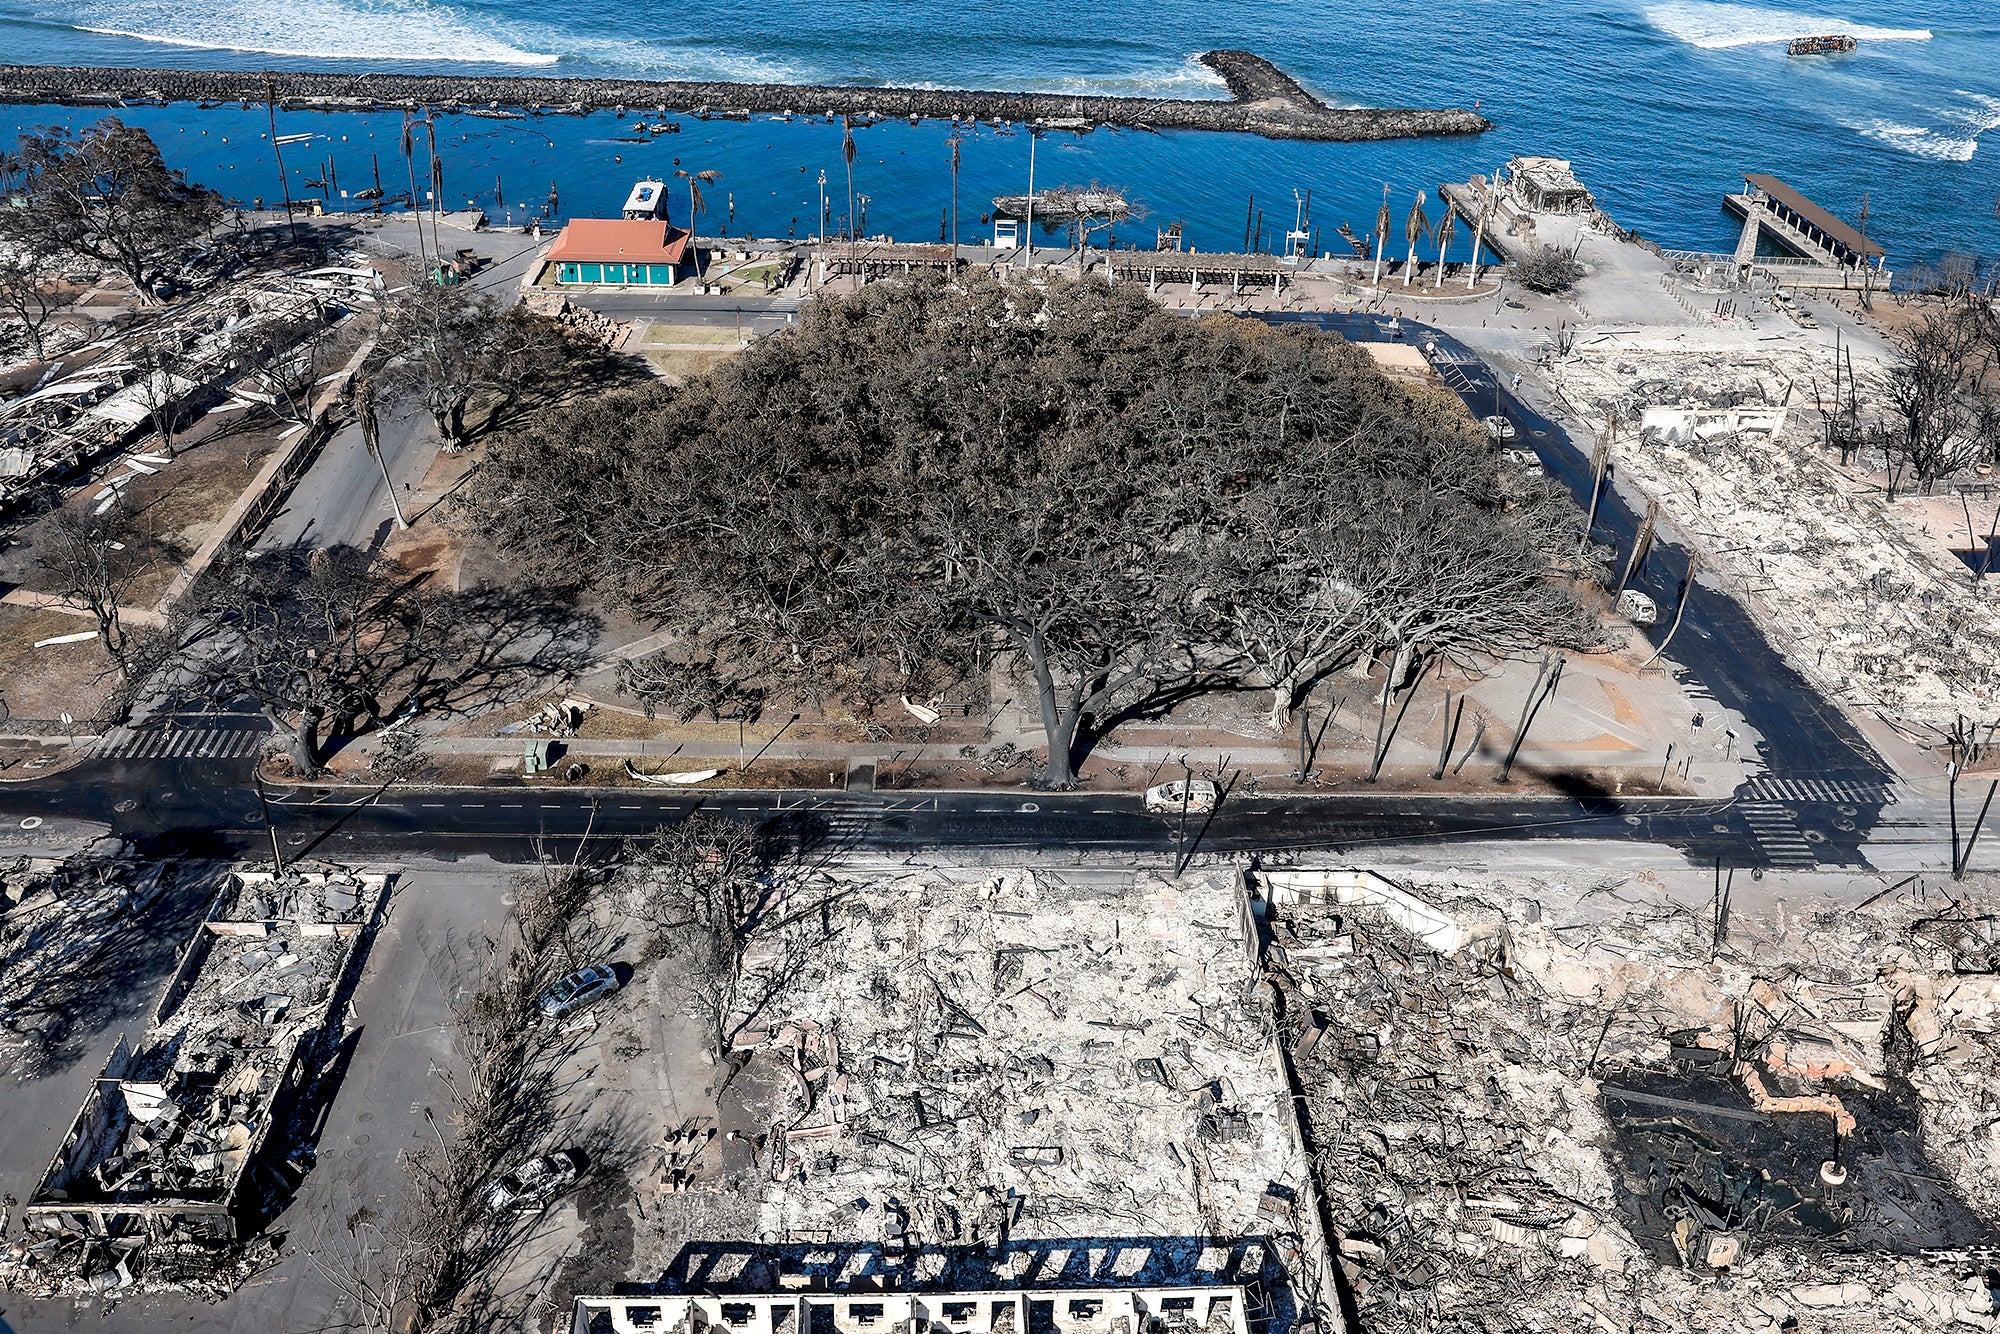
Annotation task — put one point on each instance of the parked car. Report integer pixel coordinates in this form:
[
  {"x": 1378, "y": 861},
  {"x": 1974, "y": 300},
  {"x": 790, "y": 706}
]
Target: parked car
[
  {"x": 1198, "y": 795},
  {"x": 1499, "y": 428},
  {"x": 1527, "y": 460},
  {"x": 1637, "y": 608},
  {"x": 577, "y": 990},
  {"x": 536, "y": 1182}
]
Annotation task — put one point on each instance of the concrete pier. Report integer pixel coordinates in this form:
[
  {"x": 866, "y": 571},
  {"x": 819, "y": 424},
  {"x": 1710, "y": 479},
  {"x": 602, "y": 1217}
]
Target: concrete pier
[{"x": 1264, "y": 100}]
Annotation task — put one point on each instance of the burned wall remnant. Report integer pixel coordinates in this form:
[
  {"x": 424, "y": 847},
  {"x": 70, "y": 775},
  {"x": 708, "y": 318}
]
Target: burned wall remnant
[
  {"x": 1104, "y": 1310},
  {"x": 153, "y": 1184}
]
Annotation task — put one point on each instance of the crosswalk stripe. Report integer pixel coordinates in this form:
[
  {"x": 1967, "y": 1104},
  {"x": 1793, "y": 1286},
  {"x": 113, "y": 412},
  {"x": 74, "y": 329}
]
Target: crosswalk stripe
[
  {"x": 183, "y": 743},
  {"x": 1768, "y": 788}
]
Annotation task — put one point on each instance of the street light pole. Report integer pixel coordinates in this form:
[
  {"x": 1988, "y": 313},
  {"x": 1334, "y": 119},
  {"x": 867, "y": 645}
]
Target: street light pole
[
  {"x": 819, "y": 223},
  {"x": 1028, "y": 246}
]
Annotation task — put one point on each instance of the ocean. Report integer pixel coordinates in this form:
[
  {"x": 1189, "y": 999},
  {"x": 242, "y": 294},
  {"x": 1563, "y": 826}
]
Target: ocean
[{"x": 1661, "y": 104}]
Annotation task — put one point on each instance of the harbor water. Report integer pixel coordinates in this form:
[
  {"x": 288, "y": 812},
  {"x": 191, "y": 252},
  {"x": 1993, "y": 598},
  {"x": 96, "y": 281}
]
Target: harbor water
[{"x": 1662, "y": 105}]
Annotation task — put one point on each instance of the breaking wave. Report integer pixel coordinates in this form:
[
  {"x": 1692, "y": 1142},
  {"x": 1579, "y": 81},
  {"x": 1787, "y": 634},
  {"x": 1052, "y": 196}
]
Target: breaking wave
[
  {"x": 1717, "y": 27},
  {"x": 1957, "y": 144},
  {"x": 312, "y": 30}
]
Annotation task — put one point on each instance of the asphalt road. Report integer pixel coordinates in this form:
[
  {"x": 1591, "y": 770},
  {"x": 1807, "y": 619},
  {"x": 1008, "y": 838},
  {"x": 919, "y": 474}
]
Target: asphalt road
[{"x": 205, "y": 804}]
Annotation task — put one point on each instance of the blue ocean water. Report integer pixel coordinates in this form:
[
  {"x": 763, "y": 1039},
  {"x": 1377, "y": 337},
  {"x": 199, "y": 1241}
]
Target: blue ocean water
[{"x": 1662, "y": 104}]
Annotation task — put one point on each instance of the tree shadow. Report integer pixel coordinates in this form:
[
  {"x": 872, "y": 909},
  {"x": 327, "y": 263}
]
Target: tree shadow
[
  {"x": 70, "y": 972},
  {"x": 1149, "y": 706}
]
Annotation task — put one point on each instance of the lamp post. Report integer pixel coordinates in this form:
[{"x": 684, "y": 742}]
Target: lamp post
[
  {"x": 1028, "y": 245},
  {"x": 819, "y": 224}
]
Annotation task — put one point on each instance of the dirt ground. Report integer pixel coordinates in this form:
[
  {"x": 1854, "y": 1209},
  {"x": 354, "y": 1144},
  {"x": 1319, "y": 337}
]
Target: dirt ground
[
  {"x": 178, "y": 504},
  {"x": 45, "y": 683}
]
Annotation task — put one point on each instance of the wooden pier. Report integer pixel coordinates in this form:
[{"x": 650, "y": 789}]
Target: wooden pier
[{"x": 1803, "y": 229}]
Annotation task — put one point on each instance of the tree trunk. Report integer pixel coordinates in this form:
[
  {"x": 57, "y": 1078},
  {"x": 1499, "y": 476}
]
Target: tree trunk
[
  {"x": 1059, "y": 720},
  {"x": 304, "y": 744},
  {"x": 1284, "y": 694}
]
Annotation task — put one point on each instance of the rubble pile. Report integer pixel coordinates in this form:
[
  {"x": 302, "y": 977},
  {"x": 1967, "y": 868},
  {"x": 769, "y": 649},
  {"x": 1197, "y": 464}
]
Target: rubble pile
[
  {"x": 1863, "y": 605},
  {"x": 151, "y": 1186},
  {"x": 28, "y": 884},
  {"x": 1021, "y": 1056},
  {"x": 591, "y": 325},
  {"x": 1565, "y": 1108}
]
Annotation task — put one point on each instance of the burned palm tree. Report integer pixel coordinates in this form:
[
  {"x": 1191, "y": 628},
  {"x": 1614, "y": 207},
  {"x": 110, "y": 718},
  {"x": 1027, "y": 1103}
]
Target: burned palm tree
[
  {"x": 1415, "y": 228},
  {"x": 1444, "y": 230},
  {"x": 847, "y": 156},
  {"x": 1381, "y": 234},
  {"x": 437, "y": 184},
  {"x": 953, "y": 144},
  {"x": 696, "y": 205},
  {"x": 1487, "y": 194},
  {"x": 278, "y": 150},
  {"x": 410, "y": 164}
]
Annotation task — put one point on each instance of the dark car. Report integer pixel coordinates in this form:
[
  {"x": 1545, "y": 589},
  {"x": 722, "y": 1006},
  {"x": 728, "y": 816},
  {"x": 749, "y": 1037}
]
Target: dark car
[
  {"x": 577, "y": 990},
  {"x": 536, "y": 1182}
]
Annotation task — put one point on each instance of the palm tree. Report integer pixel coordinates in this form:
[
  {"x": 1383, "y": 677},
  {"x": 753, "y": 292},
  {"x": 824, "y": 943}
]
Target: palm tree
[
  {"x": 284, "y": 181},
  {"x": 1381, "y": 234},
  {"x": 437, "y": 184},
  {"x": 847, "y": 154},
  {"x": 953, "y": 144},
  {"x": 410, "y": 163},
  {"x": 695, "y": 180},
  {"x": 1487, "y": 194},
  {"x": 1445, "y": 226},
  {"x": 1416, "y": 228}
]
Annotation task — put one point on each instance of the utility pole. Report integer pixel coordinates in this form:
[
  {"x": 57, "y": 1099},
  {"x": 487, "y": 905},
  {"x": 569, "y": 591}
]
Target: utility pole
[
  {"x": 1600, "y": 464},
  {"x": 1640, "y": 546}
]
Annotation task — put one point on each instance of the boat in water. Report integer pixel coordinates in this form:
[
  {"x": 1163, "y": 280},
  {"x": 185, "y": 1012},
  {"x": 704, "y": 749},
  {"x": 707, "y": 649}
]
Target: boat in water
[
  {"x": 1066, "y": 204},
  {"x": 1833, "y": 44}
]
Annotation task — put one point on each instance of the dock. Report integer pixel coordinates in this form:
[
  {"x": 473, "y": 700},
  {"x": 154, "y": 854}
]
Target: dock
[
  {"x": 1263, "y": 99},
  {"x": 1825, "y": 251}
]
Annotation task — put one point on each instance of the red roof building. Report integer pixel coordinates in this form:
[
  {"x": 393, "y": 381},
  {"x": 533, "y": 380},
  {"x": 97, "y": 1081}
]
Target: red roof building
[{"x": 635, "y": 252}]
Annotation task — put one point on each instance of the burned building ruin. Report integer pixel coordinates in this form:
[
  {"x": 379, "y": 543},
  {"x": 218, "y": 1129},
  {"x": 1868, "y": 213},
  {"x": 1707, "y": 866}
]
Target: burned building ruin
[{"x": 152, "y": 1185}]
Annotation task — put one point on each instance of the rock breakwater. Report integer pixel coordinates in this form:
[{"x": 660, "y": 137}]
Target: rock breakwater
[{"x": 1263, "y": 99}]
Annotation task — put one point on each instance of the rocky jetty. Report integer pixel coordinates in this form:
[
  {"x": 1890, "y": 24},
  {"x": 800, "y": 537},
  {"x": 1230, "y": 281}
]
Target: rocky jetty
[{"x": 1263, "y": 99}]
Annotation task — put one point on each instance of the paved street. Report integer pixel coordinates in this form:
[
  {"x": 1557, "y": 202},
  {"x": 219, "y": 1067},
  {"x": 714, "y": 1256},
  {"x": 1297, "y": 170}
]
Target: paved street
[{"x": 1825, "y": 795}]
